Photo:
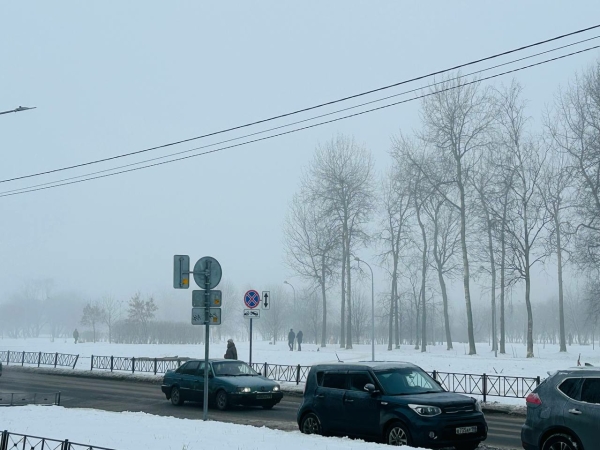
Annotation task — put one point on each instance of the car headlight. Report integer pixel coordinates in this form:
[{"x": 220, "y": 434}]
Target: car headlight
[
  {"x": 478, "y": 406},
  {"x": 276, "y": 389},
  {"x": 244, "y": 389},
  {"x": 426, "y": 410}
]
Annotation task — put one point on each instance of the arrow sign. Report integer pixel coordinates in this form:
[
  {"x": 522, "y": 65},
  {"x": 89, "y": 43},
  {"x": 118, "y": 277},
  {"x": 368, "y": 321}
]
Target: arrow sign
[{"x": 266, "y": 297}]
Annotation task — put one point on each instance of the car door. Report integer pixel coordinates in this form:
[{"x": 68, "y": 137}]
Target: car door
[
  {"x": 197, "y": 391},
  {"x": 583, "y": 417},
  {"x": 328, "y": 399},
  {"x": 187, "y": 376},
  {"x": 361, "y": 409}
]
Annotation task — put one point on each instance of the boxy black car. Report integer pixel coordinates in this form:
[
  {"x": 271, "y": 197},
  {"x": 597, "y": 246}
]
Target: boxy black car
[
  {"x": 397, "y": 403},
  {"x": 230, "y": 382}
]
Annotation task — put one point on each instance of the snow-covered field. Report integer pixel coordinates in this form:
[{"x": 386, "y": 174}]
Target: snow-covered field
[
  {"x": 140, "y": 431},
  {"x": 513, "y": 363}
]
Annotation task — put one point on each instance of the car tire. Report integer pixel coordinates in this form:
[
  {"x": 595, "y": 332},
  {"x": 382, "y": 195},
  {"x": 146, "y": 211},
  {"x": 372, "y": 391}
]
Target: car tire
[
  {"x": 397, "y": 434},
  {"x": 222, "y": 400},
  {"x": 560, "y": 441},
  {"x": 176, "y": 396},
  {"x": 310, "y": 424}
]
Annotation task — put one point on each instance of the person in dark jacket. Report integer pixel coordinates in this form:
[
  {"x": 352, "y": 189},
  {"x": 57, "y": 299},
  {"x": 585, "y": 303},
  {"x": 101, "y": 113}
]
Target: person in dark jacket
[
  {"x": 231, "y": 352},
  {"x": 299, "y": 340},
  {"x": 291, "y": 337},
  {"x": 76, "y": 335}
]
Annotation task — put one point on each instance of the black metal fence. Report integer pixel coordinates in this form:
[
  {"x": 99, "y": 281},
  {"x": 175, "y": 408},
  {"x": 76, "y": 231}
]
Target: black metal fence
[
  {"x": 143, "y": 365},
  {"x": 38, "y": 359},
  {"x": 20, "y": 399},
  {"x": 10, "y": 440},
  {"x": 277, "y": 372}
]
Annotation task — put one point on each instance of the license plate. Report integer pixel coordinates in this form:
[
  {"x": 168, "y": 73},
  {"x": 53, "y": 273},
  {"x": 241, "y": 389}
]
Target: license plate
[
  {"x": 466, "y": 430},
  {"x": 263, "y": 396}
]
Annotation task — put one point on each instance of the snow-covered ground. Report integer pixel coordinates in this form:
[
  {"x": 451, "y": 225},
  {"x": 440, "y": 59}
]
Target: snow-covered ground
[
  {"x": 140, "y": 431},
  {"x": 513, "y": 363}
]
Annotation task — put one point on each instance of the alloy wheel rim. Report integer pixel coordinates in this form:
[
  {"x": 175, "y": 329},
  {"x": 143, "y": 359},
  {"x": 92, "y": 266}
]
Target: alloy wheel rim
[
  {"x": 398, "y": 437},
  {"x": 311, "y": 426},
  {"x": 560, "y": 446},
  {"x": 175, "y": 395},
  {"x": 222, "y": 400}
]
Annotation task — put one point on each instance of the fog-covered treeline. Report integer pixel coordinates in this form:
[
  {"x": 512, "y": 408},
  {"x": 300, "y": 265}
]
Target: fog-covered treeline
[{"x": 475, "y": 194}]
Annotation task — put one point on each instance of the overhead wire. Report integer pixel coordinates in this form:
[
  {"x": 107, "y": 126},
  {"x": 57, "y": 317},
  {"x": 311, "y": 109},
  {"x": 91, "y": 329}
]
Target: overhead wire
[
  {"x": 7, "y": 194},
  {"x": 299, "y": 121},
  {"x": 298, "y": 111}
]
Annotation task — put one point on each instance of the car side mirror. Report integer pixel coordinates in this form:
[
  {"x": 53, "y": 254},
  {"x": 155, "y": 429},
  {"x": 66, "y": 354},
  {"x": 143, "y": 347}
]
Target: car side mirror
[
  {"x": 210, "y": 375},
  {"x": 371, "y": 389}
]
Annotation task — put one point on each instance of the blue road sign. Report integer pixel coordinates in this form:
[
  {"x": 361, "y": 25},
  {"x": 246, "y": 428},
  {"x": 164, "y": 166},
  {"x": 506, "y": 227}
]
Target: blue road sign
[{"x": 251, "y": 299}]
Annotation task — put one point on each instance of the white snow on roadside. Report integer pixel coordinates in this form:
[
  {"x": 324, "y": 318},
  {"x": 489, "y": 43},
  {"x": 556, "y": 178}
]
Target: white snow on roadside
[{"x": 140, "y": 431}]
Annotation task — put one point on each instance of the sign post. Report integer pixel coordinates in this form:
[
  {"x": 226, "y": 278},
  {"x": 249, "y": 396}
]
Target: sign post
[
  {"x": 206, "y": 304},
  {"x": 251, "y": 300}
]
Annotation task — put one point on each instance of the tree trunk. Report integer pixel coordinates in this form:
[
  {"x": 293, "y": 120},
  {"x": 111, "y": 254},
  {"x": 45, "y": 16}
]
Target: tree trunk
[
  {"x": 391, "y": 318},
  {"x": 397, "y": 316},
  {"x": 561, "y": 311},
  {"x": 343, "y": 312},
  {"x": 463, "y": 244},
  {"x": 349, "y": 275},
  {"x": 324, "y": 294},
  {"x": 423, "y": 280},
  {"x": 502, "y": 276},
  {"x": 493, "y": 271},
  {"x": 438, "y": 263},
  {"x": 529, "y": 311}
]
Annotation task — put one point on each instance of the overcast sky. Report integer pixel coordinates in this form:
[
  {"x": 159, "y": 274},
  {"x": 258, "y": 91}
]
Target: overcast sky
[{"x": 115, "y": 77}]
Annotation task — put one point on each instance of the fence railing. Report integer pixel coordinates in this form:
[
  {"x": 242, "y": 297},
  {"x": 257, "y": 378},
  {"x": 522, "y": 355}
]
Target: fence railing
[
  {"x": 144, "y": 365},
  {"x": 38, "y": 359},
  {"x": 10, "y": 440},
  {"x": 278, "y": 372},
  {"x": 20, "y": 399}
]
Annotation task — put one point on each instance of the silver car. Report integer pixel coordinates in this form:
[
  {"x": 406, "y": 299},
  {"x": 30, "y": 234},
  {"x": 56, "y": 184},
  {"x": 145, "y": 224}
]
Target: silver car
[{"x": 563, "y": 412}]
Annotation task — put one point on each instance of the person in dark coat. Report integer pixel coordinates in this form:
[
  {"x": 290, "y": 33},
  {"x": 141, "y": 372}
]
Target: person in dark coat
[
  {"x": 231, "y": 352},
  {"x": 76, "y": 335},
  {"x": 299, "y": 340},
  {"x": 291, "y": 337}
]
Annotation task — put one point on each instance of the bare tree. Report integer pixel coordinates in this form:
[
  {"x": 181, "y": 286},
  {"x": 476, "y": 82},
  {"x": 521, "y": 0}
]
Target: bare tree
[
  {"x": 110, "y": 306},
  {"x": 342, "y": 174},
  {"x": 457, "y": 120},
  {"x": 395, "y": 230},
  {"x": 140, "y": 314},
  {"x": 312, "y": 244},
  {"x": 93, "y": 314}
]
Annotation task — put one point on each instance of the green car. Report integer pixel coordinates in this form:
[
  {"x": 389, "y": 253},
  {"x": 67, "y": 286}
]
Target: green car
[{"x": 231, "y": 382}]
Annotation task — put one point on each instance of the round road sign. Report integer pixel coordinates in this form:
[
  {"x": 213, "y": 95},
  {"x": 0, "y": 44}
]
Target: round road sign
[
  {"x": 251, "y": 299},
  {"x": 207, "y": 267}
]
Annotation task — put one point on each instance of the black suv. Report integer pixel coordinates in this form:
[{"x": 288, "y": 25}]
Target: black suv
[
  {"x": 563, "y": 412},
  {"x": 398, "y": 403}
]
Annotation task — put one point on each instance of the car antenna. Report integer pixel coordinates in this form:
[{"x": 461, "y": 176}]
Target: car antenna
[{"x": 336, "y": 355}]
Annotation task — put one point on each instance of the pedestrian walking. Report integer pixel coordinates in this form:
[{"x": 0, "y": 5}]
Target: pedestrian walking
[
  {"x": 231, "y": 352},
  {"x": 291, "y": 338},
  {"x": 76, "y": 335},
  {"x": 299, "y": 340}
]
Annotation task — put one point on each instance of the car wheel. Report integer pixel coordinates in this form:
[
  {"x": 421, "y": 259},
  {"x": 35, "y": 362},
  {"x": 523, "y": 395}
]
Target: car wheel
[
  {"x": 397, "y": 434},
  {"x": 559, "y": 442},
  {"x": 310, "y": 424},
  {"x": 222, "y": 401},
  {"x": 176, "y": 396},
  {"x": 268, "y": 405}
]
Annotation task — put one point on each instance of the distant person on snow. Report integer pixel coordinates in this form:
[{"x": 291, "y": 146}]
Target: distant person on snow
[
  {"x": 76, "y": 335},
  {"x": 291, "y": 337},
  {"x": 231, "y": 352},
  {"x": 299, "y": 340}
]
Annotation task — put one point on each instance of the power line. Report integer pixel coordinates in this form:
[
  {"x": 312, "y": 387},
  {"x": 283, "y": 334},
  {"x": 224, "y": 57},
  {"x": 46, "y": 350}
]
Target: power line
[
  {"x": 297, "y": 122},
  {"x": 123, "y": 155},
  {"x": 11, "y": 193}
]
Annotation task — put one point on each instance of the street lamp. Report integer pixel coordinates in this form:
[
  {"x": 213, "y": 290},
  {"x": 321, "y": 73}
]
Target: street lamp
[
  {"x": 357, "y": 259},
  {"x": 20, "y": 108},
  {"x": 289, "y": 284}
]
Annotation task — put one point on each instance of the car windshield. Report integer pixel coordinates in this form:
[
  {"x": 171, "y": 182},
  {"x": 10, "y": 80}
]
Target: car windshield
[
  {"x": 406, "y": 381},
  {"x": 233, "y": 369}
]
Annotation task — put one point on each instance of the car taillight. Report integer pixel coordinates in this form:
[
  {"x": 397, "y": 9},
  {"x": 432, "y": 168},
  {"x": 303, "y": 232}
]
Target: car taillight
[{"x": 533, "y": 399}]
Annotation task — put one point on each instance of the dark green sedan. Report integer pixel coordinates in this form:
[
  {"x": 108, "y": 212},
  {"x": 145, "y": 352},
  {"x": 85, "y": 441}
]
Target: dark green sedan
[{"x": 231, "y": 382}]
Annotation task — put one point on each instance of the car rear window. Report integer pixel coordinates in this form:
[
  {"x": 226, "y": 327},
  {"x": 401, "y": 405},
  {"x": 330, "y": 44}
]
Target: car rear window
[
  {"x": 571, "y": 387},
  {"x": 335, "y": 380},
  {"x": 590, "y": 391}
]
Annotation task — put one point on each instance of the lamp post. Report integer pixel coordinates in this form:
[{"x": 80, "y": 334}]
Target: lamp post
[
  {"x": 357, "y": 259},
  {"x": 20, "y": 108},
  {"x": 289, "y": 284}
]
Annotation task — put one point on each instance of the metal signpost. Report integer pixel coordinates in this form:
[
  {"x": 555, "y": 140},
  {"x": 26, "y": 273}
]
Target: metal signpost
[
  {"x": 206, "y": 303},
  {"x": 251, "y": 300}
]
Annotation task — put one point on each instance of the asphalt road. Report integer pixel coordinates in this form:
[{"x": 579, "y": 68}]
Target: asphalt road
[{"x": 123, "y": 395}]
